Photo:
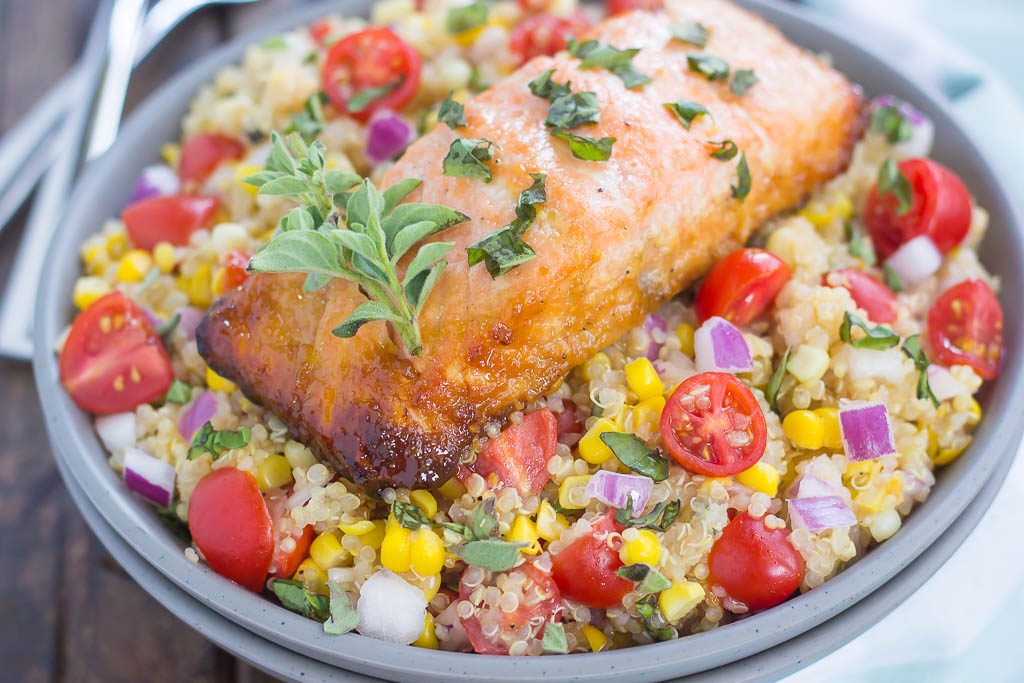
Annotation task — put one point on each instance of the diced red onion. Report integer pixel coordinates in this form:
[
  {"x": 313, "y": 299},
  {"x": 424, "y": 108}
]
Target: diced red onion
[
  {"x": 149, "y": 477},
  {"x": 190, "y": 317},
  {"x": 866, "y": 430},
  {"x": 612, "y": 488},
  {"x": 199, "y": 413},
  {"x": 117, "y": 431},
  {"x": 943, "y": 384},
  {"x": 719, "y": 346},
  {"x": 916, "y": 260},
  {"x": 923, "y": 130},
  {"x": 155, "y": 181},
  {"x": 820, "y": 513},
  {"x": 388, "y": 135},
  {"x": 654, "y": 322}
]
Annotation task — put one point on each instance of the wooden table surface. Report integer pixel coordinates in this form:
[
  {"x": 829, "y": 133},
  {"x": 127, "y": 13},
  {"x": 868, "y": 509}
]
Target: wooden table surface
[{"x": 68, "y": 612}]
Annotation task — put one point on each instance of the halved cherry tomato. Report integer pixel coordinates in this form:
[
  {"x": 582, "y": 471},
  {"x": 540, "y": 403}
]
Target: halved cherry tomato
[
  {"x": 622, "y": 6},
  {"x": 741, "y": 286},
  {"x": 965, "y": 327},
  {"x": 537, "y": 613},
  {"x": 285, "y": 562},
  {"x": 202, "y": 154},
  {"x": 231, "y": 526},
  {"x": 544, "y": 34},
  {"x": 235, "y": 273},
  {"x": 518, "y": 456},
  {"x": 112, "y": 360},
  {"x": 168, "y": 219},
  {"x": 320, "y": 30},
  {"x": 372, "y": 58},
  {"x": 755, "y": 565},
  {"x": 713, "y": 425},
  {"x": 585, "y": 569},
  {"x": 941, "y": 209},
  {"x": 868, "y": 292}
]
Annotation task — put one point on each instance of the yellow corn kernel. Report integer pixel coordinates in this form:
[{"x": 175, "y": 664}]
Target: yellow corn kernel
[
  {"x": 467, "y": 38},
  {"x": 134, "y": 265},
  {"x": 171, "y": 153},
  {"x": 218, "y": 383},
  {"x": 523, "y": 530},
  {"x": 711, "y": 481},
  {"x": 426, "y": 551},
  {"x": 833, "y": 437},
  {"x": 395, "y": 549},
  {"x": 311, "y": 575},
  {"x": 427, "y": 639},
  {"x": 679, "y": 600},
  {"x": 94, "y": 256},
  {"x": 363, "y": 526},
  {"x": 804, "y": 429},
  {"x": 577, "y": 484},
  {"x": 649, "y": 410},
  {"x": 88, "y": 289},
  {"x": 596, "y": 638},
  {"x": 452, "y": 489},
  {"x": 217, "y": 283},
  {"x": 948, "y": 455},
  {"x": 932, "y": 445},
  {"x": 163, "y": 256},
  {"x": 430, "y": 585},
  {"x": 117, "y": 244},
  {"x": 873, "y": 501},
  {"x": 197, "y": 286},
  {"x": 644, "y": 548},
  {"x": 643, "y": 379},
  {"x": 274, "y": 472},
  {"x": 326, "y": 550},
  {"x": 550, "y": 524},
  {"x": 244, "y": 171},
  {"x": 591, "y": 448},
  {"x": 685, "y": 333},
  {"x": 598, "y": 361},
  {"x": 425, "y": 501},
  {"x": 761, "y": 477},
  {"x": 975, "y": 411},
  {"x": 863, "y": 470},
  {"x": 375, "y": 537},
  {"x": 820, "y": 214},
  {"x": 808, "y": 363}
]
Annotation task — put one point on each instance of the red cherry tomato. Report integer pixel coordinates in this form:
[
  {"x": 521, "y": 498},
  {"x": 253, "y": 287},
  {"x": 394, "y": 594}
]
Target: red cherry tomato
[
  {"x": 713, "y": 425},
  {"x": 868, "y": 292},
  {"x": 168, "y": 219},
  {"x": 112, "y": 360},
  {"x": 536, "y": 613},
  {"x": 741, "y": 286},
  {"x": 285, "y": 562},
  {"x": 941, "y": 209},
  {"x": 622, "y": 6},
  {"x": 231, "y": 526},
  {"x": 235, "y": 263},
  {"x": 585, "y": 569},
  {"x": 544, "y": 34},
  {"x": 372, "y": 58},
  {"x": 570, "y": 424},
  {"x": 202, "y": 154},
  {"x": 754, "y": 564},
  {"x": 965, "y": 327},
  {"x": 518, "y": 456},
  {"x": 320, "y": 31}
]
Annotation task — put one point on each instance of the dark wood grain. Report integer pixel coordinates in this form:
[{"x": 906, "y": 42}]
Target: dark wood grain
[{"x": 68, "y": 612}]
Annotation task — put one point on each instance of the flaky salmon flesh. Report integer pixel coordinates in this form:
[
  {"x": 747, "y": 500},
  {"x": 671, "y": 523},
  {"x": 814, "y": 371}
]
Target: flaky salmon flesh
[{"x": 614, "y": 241}]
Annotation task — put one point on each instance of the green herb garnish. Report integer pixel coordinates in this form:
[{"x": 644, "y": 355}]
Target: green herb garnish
[
  {"x": 179, "y": 393},
  {"x": 361, "y": 99},
  {"x": 467, "y": 18},
  {"x": 542, "y": 86},
  {"x": 709, "y": 66},
  {"x": 742, "y": 81},
  {"x": 659, "y": 519},
  {"x": 692, "y": 32},
  {"x": 296, "y": 597},
  {"x": 310, "y": 121},
  {"x": 634, "y": 454},
  {"x": 492, "y": 554},
  {"x": 648, "y": 579},
  {"x": 504, "y": 249},
  {"x": 164, "y": 329},
  {"x": 892, "y": 181},
  {"x": 686, "y": 111},
  {"x": 216, "y": 441},
  {"x": 554, "y": 639},
  {"x": 742, "y": 187},
  {"x": 409, "y": 516},
  {"x": 647, "y": 608},
  {"x": 890, "y": 122},
  {"x": 572, "y": 110},
  {"x": 912, "y": 347},
  {"x": 451, "y": 113},
  {"x": 466, "y": 157},
  {"x": 892, "y": 280},
  {"x": 343, "y": 617},
  {"x": 274, "y": 43},
  {"x": 771, "y": 393},
  {"x": 587, "y": 149},
  {"x": 876, "y": 338},
  {"x": 727, "y": 150},
  {"x": 862, "y": 247},
  {"x": 619, "y": 62}
]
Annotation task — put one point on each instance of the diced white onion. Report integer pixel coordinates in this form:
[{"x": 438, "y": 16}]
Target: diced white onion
[
  {"x": 916, "y": 260},
  {"x": 887, "y": 365},
  {"x": 117, "y": 431},
  {"x": 149, "y": 477},
  {"x": 943, "y": 384},
  {"x": 390, "y": 608}
]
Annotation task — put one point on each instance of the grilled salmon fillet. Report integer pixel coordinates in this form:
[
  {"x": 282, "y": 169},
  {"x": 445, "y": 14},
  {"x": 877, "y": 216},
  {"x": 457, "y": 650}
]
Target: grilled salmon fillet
[{"x": 614, "y": 240}]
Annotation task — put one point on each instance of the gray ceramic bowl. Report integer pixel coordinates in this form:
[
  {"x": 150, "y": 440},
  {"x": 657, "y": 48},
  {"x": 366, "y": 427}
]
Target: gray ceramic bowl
[{"x": 104, "y": 189}]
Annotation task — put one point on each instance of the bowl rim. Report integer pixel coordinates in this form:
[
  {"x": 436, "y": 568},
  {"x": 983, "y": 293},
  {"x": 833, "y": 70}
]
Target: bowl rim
[{"x": 77, "y": 445}]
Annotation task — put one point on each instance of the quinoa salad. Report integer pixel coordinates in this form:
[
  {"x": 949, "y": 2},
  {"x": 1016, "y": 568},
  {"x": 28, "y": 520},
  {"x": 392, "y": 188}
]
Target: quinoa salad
[{"x": 751, "y": 438}]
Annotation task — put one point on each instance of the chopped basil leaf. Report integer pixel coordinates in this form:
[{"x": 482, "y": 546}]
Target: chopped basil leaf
[
  {"x": 274, "y": 43},
  {"x": 483, "y": 521},
  {"x": 588, "y": 149},
  {"x": 912, "y": 347},
  {"x": 648, "y": 579},
  {"x": 492, "y": 554},
  {"x": 726, "y": 151},
  {"x": 687, "y": 110},
  {"x": 165, "y": 328},
  {"x": 692, "y": 32},
  {"x": 409, "y": 516},
  {"x": 862, "y": 247},
  {"x": 543, "y": 86},
  {"x": 343, "y": 618},
  {"x": 294, "y": 595},
  {"x": 742, "y": 187},
  {"x": 467, "y": 18},
  {"x": 476, "y": 83},
  {"x": 775, "y": 383},
  {"x": 179, "y": 393},
  {"x": 451, "y": 113},
  {"x": 554, "y": 639},
  {"x": 709, "y": 66},
  {"x": 634, "y": 454},
  {"x": 892, "y": 181},
  {"x": 877, "y": 338},
  {"x": 215, "y": 442},
  {"x": 310, "y": 121},
  {"x": 647, "y": 607},
  {"x": 361, "y": 99},
  {"x": 891, "y": 122},
  {"x": 619, "y": 62},
  {"x": 742, "y": 81},
  {"x": 466, "y": 157},
  {"x": 572, "y": 110},
  {"x": 504, "y": 249},
  {"x": 892, "y": 279},
  {"x": 659, "y": 519}
]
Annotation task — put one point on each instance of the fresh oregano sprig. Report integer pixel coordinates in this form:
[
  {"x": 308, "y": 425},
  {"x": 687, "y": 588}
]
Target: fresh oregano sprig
[{"x": 357, "y": 234}]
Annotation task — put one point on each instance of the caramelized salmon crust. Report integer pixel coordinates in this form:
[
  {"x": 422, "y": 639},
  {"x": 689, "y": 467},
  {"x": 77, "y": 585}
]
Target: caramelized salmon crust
[{"x": 614, "y": 240}]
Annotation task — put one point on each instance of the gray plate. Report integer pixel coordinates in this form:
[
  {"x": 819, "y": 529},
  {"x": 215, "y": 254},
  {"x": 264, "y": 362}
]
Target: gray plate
[{"x": 105, "y": 187}]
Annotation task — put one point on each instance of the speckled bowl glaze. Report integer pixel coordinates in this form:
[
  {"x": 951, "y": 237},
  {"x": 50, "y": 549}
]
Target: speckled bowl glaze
[{"x": 105, "y": 187}]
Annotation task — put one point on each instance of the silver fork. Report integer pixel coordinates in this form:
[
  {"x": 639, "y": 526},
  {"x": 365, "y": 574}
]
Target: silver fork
[{"x": 132, "y": 33}]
